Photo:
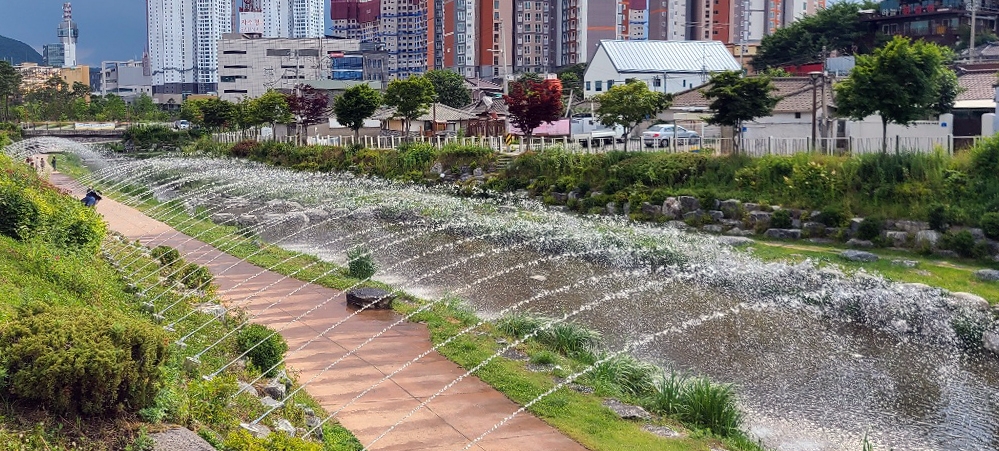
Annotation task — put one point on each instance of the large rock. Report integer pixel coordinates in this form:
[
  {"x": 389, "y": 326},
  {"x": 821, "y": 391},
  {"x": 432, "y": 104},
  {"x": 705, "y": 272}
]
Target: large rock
[
  {"x": 713, "y": 228},
  {"x": 863, "y": 244},
  {"x": 987, "y": 275},
  {"x": 662, "y": 431},
  {"x": 905, "y": 263},
  {"x": 927, "y": 238},
  {"x": 269, "y": 402},
  {"x": 689, "y": 203},
  {"x": 317, "y": 214},
  {"x": 651, "y": 210},
  {"x": 751, "y": 207},
  {"x": 911, "y": 226},
  {"x": 612, "y": 208},
  {"x": 276, "y": 390},
  {"x": 224, "y": 218},
  {"x": 716, "y": 215},
  {"x": 257, "y": 430},
  {"x": 373, "y": 297},
  {"x": 858, "y": 256},
  {"x": 696, "y": 216},
  {"x": 285, "y": 426},
  {"x": 759, "y": 217},
  {"x": 247, "y": 388},
  {"x": 735, "y": 241},
  {"x": 672, "y": 208},
  {"x": 897, "y": 238},
  {"x": 627, "y": 411},
  {"x": 972, "y": 301},
  {"x": 813, "y": 229},
  {"x": 855, "y": 224},
  {"x": 736, "y": 231},
  {"x": 990, "y": 341},
  {"x": 783, "y": 234},
  {"x": 732, "y": 208},
  {"x": 179, "y": 439}
]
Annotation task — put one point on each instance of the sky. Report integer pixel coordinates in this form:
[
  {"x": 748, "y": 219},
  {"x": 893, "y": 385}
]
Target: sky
[{"x": 110, "y": 30}]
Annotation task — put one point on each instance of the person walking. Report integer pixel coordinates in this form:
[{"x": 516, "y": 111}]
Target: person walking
[{"x": 54, "y": 163}]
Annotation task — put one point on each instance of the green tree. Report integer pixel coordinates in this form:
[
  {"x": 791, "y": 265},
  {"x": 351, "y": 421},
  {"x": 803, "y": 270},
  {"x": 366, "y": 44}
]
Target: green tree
[
  {"x": 735, "y": 99},
  {"x": 115, "y": 108},
  {"x": 572, "y": 81},
  {"x": 837, "y": 28},
  {"x": 902, "y": 82},
  {"x": 982, "y": 36},
  {"x": 629, "y": 104},
  {"x": 10, "y": 89},
  {"x": 144, "y": 109},
  {"x": 211, "y": 113},
  {"x": 411, "y": 98},
  {"x": 450, "y": 88},
  {"x": 270, "y": 108},
  {"x": 355, "y": 105}
]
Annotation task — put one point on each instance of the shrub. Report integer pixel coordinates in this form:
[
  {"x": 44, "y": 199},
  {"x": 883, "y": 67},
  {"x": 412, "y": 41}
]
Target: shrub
[
  {"x": 568, "y": 339},
  {"x": 360, "y": 264},
  {"x": 519, "y": 324},
  {"x": 244, "y": 149},
  {"x": 711, "y": 406},
  {"x": 263, "y": 346},
  {"x": 667, "y": 394},
  {"x": 870, "y": 228},
  {"x": 781, "y": 219},
  {"x": 937, "y": 217},
  {"x": 962, "y": 242},
  {"x": 832, "y": 217},
  {"x": 166, "y": 255},
  {"x": 195, "y": 276},
  {"x": 82, "y": 360},
  {"x": 623, "y": 374},
  {"x": 990, "y": 225}
]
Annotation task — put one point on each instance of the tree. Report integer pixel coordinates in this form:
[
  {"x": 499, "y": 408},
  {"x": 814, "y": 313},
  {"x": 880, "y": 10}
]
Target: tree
[
  {"x": 572, "y": 79},
  {"x": 270, "y": 108},
  {"x": 836, "y": 28},
  {"x": 450, "y": 88},
  {"x": 410, "y": 97},
  {"x": 982, "y": 36},
  {"x": 212, "y": 113},
  {"x": 309, "y": 106},
  {"x": 10, "y": 88},
  {"x": 531, "y": 103},
  {"x": 735, "y": 99},
  {"x": 629, "y": 104},
  {"x": 902, "y": 82},
  {"x": 144, "y": 109},
  {"x": 355, "y": 105}
]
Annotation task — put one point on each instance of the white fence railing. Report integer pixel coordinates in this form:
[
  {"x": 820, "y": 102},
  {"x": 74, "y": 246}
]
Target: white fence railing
[{"x": 722, "y": 146}]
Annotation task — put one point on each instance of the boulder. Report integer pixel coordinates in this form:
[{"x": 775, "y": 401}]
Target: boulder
[
  {"x": 612, "y": 208},
  {"x": 855, "y": 224},
  {"x": 729, "y": 223},
  {"x": 627, "y": 411},
  {"x": 783, "y": 234},
  {"x": 713, "y": 228},
  {"x": 735, "y": 231},
  {"x": 285, "y": 426},
  {"x": 990, "y": 341},
  {"x": 246, "y": 220},
  {"x": 662, "y": 431},
  {"x": 276, "y": 390},
  {"x": 178, "y": 438},
  {"x": 216, "y": 310},
  {"x": 627, "y": 209},
  {"x": 224, "y": 218},
  {"x": 374, "y": 297},
  {"x": 905, "y": 263},
  {"x": 836, "y": 232},
  {"x": 813, "y": 229},
  {"x": 751, "y": 207},
  {"x": 560, "y": 197},
  {"x": 573, "y": 195},
  {"x": 317, "y": 214},
  {"x": 478, "y": 172},
  {"x": 671, "y": 207},
  {"x": 987, "y": 275},
  {"x": 689, "y": 203},
  {"x": 972, "y": 301},
  {"x": 247, "y": 388},
  {"x": 716, "y": 215},
  {"x": 859, "y": 256},
  {"x": 910, "y": 226},
  {"x": 651, "y": 210},
  {"x": 759, "y": 217},
  {"x": 437, "y": 168},
  {"x": 897, "y": 238},
  {"x": 678, "y": 225},
  {"x": 269, "y": 402},
  {"x": 927, "y": 238},
  {"x": 864, "y": 244},
  {"x": 696, "y": 215},
  {"x": 732, "y": 208},
  {"x": 311, "y": 421},
  {"x": 257, "y": 430}
]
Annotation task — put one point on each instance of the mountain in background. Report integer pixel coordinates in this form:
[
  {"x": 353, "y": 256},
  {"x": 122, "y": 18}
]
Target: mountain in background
[{"x": 17, "y": 52}]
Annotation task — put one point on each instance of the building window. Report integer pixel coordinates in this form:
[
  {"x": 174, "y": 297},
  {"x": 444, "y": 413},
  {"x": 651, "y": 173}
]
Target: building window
[
  {"x": 588, "y": 87},
  {"x": 610, "y": 84},
  {"x": 656, "y": 82},
  {"x": 600, "y": 85}
]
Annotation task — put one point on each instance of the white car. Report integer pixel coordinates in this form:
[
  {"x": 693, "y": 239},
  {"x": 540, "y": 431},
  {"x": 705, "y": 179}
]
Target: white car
[
  {"x": 661, "y": 134},
  {"x": 182, "y": 125}
]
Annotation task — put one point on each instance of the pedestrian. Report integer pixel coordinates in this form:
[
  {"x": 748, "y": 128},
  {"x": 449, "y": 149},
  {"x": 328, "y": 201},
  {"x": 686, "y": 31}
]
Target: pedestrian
[{"x": 53, "y": 163}]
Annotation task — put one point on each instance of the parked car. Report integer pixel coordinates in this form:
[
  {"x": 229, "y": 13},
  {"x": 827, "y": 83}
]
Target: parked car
[
  {"x": 661, "y": 134},
  {"x": 182, "y": 124}
]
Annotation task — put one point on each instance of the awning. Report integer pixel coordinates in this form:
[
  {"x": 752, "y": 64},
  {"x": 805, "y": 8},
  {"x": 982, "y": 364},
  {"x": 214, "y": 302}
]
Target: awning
[{"x": 975, "y": 105}]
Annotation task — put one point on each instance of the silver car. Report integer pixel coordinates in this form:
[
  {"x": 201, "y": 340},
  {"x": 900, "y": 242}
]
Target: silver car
[{"x": 661, "y": 134}]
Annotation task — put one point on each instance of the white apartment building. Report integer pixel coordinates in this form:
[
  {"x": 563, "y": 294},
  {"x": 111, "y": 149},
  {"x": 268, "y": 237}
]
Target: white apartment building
[
  {"x": 170, "y": 41},
  {"x": 214, "y": 18},
  {"x": 293, "y": 18}
]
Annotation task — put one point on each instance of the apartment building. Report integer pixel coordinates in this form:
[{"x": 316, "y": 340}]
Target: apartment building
[
  {"x": 401, "y": 27},
  {"x": 534, "y": 37},
  {"x": 456, "y": 33},
  {"x": 495, "y": 37}
]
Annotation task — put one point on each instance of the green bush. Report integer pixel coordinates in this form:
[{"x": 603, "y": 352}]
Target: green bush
[
  {"x": 781, "y": 219},
  {"x": 870, "y": 228},
  {"x": 568, "y": 339},
  {"x": 360, "y": 263},
  {"x": 711, "y": 406},
  {"x": 79, "y": 360},
  {"x": 166, "y": 255},
  {"x": 195, "y": 276},
  {"x": 622, "y": 375},
  {"x": 962, "y": 242},
  {"x": 938, "y": 217},
  {"x": 832, "y": 217},
  {"x": 666, "y": 397},
  {"x": 518, "y": 325},
  {"x": 990, "y": 225},
  {"x": 264, "y": 346}
]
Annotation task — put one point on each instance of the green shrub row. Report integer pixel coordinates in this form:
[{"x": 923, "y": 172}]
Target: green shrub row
[
  {"x": 149, "y": 138},
  {"x": 31, "y": 208},
  {"x": 191, "y": 275}
]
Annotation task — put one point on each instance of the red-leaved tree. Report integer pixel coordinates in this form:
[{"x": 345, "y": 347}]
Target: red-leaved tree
[
  {"x": 532, "y": 103},
  {"x": 309, "y": 106}
]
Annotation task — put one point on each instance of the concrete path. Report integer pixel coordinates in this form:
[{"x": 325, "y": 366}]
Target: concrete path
[{"x": 449, "y": 422}]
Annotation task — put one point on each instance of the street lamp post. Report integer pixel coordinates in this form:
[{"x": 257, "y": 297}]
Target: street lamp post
[{"x": 815, "y": 77}]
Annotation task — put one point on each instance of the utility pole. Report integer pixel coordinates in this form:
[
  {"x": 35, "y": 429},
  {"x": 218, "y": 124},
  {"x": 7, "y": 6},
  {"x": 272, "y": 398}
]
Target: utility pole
[
  {"x": 744, "y": 36},
  {"x": 971, "y": 44}
]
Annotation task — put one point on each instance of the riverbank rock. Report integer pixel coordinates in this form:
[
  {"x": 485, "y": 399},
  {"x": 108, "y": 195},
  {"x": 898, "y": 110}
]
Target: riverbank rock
[
  {"x": 257, "y": 430},
  {"x": 972, "y": 301},
  {"x": 671, "y": 208},
  {"x": 759, "y": 217},
  {"x": 276, "y": 390},
  {"x": 783, "y": 234},
  {"x": 689, "y": 203},
  {"x": 813, "y": 229},
  {"x": 661, "y": 431},
  {"x": 376, "y": 298},
  {"x": 927, "y": 238},
  {"x": 736, "y": 231},
  {"x": 908, "y": 226},
  {"x": 905, "y": 263},
  {"x": 735, "y": 241},
  {"x": 862, "y": 244},
  {"x": 987, "y": 275},
  {"x": 651, "y": 210},
  {"x": 897, "y": 239},
  {"x": 177, "y": 439},
  {"x": 859, "y": 256},
  {"x": 713, "y": 228},
  {"x": 716, "y": 215},
  {"x": 627, "y": 411},
  {"x": 731, "y": 208}
]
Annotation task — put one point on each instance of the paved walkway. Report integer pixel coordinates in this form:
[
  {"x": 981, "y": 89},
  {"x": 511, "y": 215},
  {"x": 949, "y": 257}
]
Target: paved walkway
[{"x": 449, "y": 422}]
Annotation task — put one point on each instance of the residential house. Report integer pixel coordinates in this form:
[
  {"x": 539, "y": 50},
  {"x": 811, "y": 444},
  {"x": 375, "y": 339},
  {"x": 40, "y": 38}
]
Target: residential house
[
  {"x": 439, "y": 119},
  {"x": 665, "y": 66},
  {"x": 976, "y": 99},
  {"x": 936, "y": 21},
  {"x": 490, "y": 116}
]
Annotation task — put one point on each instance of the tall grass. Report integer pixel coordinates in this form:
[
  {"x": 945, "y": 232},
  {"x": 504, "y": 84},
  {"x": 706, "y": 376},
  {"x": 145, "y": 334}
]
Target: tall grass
[
  {"x": 711, "y": 406},
  {"x": 360, "y": 263},
  {"x": 622, "y": 375}
]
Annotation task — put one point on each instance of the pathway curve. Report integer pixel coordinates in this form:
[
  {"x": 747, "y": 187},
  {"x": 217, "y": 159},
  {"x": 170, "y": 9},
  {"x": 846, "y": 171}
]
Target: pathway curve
[{"x": 449, "y": 422}]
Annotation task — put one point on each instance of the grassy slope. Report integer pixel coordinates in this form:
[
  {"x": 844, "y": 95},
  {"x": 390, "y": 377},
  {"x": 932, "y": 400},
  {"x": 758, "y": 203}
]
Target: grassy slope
[
  {"x": 579, "y": 416},
  {"x": 949, "y": 274}
]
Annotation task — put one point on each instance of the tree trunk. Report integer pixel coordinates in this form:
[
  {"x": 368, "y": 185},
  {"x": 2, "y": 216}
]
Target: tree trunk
[
  {"x": 627, "y": 137},
  {"x": 884, "y": 135}
]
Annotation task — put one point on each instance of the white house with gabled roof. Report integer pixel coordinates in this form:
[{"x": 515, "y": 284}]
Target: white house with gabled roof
[{"x": 666, "y": 66}]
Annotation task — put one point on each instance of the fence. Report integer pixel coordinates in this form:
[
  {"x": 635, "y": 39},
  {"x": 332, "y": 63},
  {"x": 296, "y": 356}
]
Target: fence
[{"x": 721, "y": 146}]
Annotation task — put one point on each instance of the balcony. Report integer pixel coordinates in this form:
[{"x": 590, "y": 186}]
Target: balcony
[{"x": 892, "y": 8}]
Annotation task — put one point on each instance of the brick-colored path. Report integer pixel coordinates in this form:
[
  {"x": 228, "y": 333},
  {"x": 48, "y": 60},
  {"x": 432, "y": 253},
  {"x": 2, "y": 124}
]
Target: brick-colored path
[{"x": 449, "y": 422}]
